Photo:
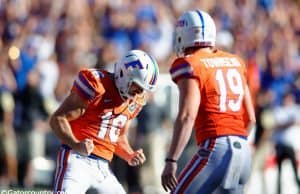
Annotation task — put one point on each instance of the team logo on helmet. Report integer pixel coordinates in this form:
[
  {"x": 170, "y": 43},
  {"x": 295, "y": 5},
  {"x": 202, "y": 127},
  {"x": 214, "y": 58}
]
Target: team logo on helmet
[{"x": 138, "y": 67}]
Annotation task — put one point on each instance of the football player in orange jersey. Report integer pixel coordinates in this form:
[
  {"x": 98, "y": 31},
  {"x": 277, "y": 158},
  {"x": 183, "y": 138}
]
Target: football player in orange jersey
[
  {"x": 92, "y": 123},
  {"x": 215, "y": 102}
]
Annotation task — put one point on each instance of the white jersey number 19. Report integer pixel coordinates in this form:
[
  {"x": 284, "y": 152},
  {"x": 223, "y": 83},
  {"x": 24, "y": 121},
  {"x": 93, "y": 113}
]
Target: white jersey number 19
[{"x": 232, "y": 80}]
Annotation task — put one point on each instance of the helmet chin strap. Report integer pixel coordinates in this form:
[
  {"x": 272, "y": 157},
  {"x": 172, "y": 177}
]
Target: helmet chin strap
[
  {"x": 125, "y": 95},
  {"x": 127, "y": 90},
  {"x": 128, "y": 96},
  {"x": 124, "y": 98}
]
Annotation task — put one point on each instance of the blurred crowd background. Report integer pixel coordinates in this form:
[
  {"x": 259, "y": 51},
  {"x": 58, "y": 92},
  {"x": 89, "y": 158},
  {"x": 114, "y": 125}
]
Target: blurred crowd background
[{"x": 44, "y": 43}]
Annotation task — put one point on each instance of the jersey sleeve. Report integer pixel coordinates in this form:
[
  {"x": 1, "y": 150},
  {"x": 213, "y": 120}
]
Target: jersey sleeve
[
  {"x": 244, "y": 66},
  {"x": 88, "y": 84},
  {"x": 181, "y": 68}
]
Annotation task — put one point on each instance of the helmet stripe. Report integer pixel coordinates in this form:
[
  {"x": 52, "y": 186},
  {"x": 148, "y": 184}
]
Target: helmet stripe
[
  {"x": 154, "y": 75},
  {"x": 202, "y": 21}
]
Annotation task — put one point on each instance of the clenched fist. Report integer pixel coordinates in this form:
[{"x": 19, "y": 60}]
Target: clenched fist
[
  {"x": 85, "y": 147},
  {"x": 137, "y": 158}
]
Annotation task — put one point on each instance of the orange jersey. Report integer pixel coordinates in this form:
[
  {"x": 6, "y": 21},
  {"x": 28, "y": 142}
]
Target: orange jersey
[
  {"x": 106, "y": 114},
  {"x": 222, "y": 80}
]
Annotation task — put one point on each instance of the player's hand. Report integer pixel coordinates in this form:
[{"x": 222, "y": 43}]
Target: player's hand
[
  {"x": 137, "y": 158},
  {"x": 85, "y": 147},
  {"x": 168, "y": 178}
]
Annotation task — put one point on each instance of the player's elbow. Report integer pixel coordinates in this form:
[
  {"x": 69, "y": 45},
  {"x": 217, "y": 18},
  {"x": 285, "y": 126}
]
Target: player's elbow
[
  {"x": 252, "y": 120},
  {"x": 54, "y": 121},
  {"x": 187, "y": 118},
  {"x": 251, "y": 125}
]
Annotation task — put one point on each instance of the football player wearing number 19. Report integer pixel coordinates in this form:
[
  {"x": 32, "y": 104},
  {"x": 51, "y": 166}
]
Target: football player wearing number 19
[
  {"x": 215, "y": 102},
  {"x": 92, "y": 123}
]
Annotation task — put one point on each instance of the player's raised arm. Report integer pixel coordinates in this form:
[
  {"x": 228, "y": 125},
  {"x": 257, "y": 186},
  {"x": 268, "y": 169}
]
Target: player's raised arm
[{"x": 72, "y": 108}]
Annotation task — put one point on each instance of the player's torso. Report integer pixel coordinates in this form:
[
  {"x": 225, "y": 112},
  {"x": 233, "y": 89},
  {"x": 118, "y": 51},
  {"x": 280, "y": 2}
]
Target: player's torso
[
  {"x": 221, "y": 84},
  {"x": 104, "y": 120}
]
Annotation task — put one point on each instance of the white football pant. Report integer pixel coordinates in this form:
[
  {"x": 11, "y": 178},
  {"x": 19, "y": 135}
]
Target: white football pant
[{"x": 75, "y": 174}]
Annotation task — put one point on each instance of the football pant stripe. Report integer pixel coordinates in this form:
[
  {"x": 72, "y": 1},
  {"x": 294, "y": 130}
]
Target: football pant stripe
[
  {"x": 57, "y": 163},
  {"x": 188, "y": 167},
  {"x": 59, "y": 166},
  {"x": 198, "y": 165},
  {"x": 63, "y": 167},
  {"x": 195, "y": 157}
]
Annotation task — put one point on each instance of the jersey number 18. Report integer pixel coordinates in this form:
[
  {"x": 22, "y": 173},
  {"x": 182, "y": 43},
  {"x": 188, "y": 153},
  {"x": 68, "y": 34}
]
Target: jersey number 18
[{"x": 110, "y": 127}]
